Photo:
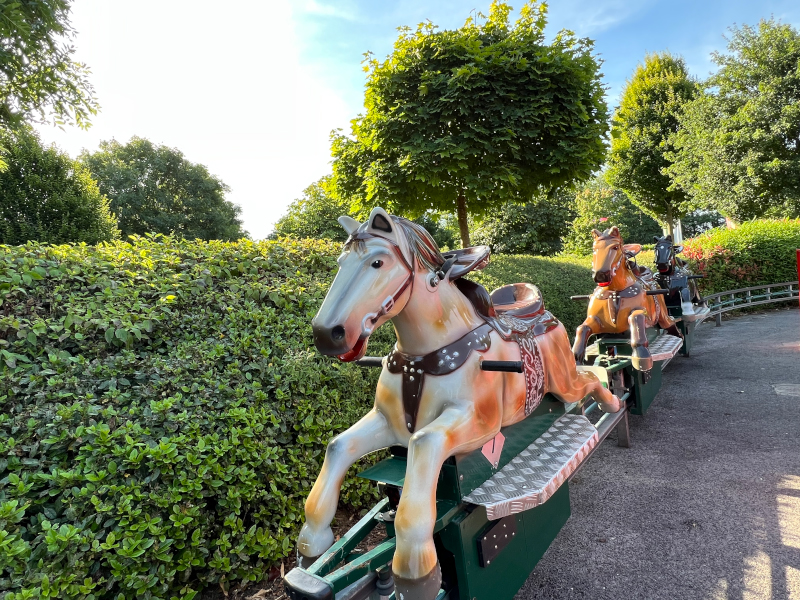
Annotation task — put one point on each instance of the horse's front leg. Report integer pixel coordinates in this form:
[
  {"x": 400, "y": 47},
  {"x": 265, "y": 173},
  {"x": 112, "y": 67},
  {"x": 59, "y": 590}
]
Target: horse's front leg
[
  {"x": 641, "y": 359},
  {"x": 369, "y": 434},
  {"x": 415, "y": 565},
  {"x": 585, "y": 329}
]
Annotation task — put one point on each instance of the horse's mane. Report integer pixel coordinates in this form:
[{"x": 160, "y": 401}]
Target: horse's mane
[{"x": 422, "y": 245}]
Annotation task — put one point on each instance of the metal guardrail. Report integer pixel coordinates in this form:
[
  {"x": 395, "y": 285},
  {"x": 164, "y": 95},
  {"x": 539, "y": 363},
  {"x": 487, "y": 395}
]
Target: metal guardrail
[{"x": 751, "y": 296}]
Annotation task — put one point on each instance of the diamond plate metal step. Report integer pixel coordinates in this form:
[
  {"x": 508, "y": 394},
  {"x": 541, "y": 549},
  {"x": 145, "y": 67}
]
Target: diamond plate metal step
[
  {"x": 538, "y": 471},
  {"x": 665, "y": 347},
  {"x": 699, "y": 315}
]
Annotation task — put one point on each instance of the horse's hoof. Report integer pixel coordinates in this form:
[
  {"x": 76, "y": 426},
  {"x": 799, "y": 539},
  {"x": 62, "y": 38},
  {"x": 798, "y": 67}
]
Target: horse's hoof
[
  {"x": 313, "y": 543},
  {"x": 611, "y": 407},
  {"x": 424, "y": 588},
  {"x": 642, "y": 360}
]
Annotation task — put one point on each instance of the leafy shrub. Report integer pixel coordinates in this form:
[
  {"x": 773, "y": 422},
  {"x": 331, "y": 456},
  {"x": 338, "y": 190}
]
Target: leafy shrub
[
  {"x": 756, "y": 253},
  {"x": 599, "y": 207},
  {"x": 162, "y": 417},
  {"x": 536, "y": 227},
  {"x": 558, "y": 278}
]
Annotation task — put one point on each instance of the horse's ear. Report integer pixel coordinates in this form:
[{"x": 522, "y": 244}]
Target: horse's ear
[
  {"x": 380, "y": 222},
  {"x": 678, "y": 249},
  {"x": 669, "y": 237},
  {"x": 596, "y": 234},
  {"x": 349, "y": 224},
  {"x": 614, "y": 231},
  {"x": 656, "y": 238}
]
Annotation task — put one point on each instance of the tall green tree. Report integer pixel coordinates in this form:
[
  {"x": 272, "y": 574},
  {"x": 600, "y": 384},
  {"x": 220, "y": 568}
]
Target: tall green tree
[
  {"x": 37, "y": 73},
  {"x": 46, "y": 196},
  {"x": 154, "y": 189},
  {"x": 599, "y": 206},
  {"x": 314, "y": 215},
  {"x": 535, "y": 227},
  {"x": 641, "y": 133},
  {"x": 738, "y": 150},
  {"x": 472, "y": 118}
]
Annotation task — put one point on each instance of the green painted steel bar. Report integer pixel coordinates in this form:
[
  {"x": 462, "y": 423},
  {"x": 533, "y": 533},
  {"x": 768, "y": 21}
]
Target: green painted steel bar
[
  {"x": 362, "y": 565},
  {"x": 348, "y": 542}
]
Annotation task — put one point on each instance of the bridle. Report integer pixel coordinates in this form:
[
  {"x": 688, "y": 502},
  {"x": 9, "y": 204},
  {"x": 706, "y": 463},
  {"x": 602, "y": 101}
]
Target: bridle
[{"x": 388, "y": 304}]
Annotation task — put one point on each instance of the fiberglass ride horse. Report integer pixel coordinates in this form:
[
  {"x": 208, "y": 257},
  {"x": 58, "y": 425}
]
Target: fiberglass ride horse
[
  {"x": 621, "y": 303},
  {"x": 673, "y": 275},
  {"x": 432, "y": 396}
]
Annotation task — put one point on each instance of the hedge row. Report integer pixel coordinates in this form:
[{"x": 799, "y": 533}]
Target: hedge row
[
  {"x": 756, "y": 253},
  {"x": 163, "y": 413},
  {"x": 162, "y": 416}
]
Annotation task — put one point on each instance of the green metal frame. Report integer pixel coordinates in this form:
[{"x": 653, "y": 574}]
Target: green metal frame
[
  {"x": 458, "y": 524},
  {"x": 644, "y": 386}
]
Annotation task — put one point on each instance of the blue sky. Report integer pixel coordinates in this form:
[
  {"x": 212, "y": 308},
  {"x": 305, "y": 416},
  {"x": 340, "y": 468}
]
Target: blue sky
[{"x": 253, "y": 89}]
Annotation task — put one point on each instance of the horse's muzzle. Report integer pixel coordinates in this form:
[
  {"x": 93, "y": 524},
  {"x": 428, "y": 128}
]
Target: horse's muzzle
[
  {"x": 602, "y": 278},
  {"x": 331, "y": 341}
]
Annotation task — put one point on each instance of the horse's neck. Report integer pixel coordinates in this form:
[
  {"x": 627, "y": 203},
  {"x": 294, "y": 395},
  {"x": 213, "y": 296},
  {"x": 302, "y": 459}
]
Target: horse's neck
[
  {"x": 623, "y": 278},
  {"x": 432, "y": 320}
]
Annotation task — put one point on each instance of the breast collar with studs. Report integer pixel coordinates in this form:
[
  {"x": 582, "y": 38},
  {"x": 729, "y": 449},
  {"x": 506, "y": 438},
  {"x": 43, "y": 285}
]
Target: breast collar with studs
[
  {"x": 439, "y": 362},
  {"x": 614, "y": 296}
]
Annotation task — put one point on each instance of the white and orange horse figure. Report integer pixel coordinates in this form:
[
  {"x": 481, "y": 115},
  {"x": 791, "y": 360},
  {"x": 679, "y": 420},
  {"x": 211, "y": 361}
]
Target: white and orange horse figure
[
  {"x": 620, "y": 303},
  {"x": 432, "y": 396}
]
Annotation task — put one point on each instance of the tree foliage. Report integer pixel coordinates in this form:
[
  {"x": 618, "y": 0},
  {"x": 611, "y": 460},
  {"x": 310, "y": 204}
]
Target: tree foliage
[
  {"x": 739, "y": 148},
  {"x": 37, "y": 73},
  {"x": 472, "y": 118},
  {"x": 532, "y": 228},
  {"x": 154, "y": 189},
  {"x": 48, "y": 197},
  {"x": 647, "y": 117},
  {"x": 314, "y": 215},
  {"x": 599, "y": 207}
]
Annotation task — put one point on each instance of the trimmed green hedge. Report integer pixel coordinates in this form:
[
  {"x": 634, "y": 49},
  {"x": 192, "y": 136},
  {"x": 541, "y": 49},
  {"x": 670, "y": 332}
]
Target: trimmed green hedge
[
  {"x": 162, "y": 415},
  {"x": 557, "y": 278},
  {"x": 756, "y": 253}
]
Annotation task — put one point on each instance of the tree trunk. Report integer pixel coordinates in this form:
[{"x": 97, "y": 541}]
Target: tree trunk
[
  {"x": 670, "y": 223},
  {"x": 463, "y": 226}
]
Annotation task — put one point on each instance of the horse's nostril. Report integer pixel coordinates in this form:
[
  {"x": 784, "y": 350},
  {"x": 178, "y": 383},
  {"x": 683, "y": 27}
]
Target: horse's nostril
[{"x": 337, "y": 333}]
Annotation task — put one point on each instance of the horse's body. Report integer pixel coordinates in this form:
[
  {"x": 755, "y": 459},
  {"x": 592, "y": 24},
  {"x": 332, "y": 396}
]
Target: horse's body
[
  {"x": 673, "y": 275},
  {"x": 391, "y": 269},
  {"x": 620, "y": 303}
]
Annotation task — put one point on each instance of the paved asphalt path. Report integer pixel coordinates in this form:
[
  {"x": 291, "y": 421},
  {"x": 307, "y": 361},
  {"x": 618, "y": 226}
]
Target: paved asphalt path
[{"x": 706, "y": 502}]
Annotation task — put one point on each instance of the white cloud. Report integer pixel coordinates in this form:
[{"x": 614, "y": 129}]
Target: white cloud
[
  {"x": 225, "y": 86},
  {"x": 591, "y": 18}
]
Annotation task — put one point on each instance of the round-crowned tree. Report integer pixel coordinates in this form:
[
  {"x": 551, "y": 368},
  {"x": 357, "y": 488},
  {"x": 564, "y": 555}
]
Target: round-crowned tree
[
  {"x": 469, "y": 119},
  {"x": 46, "y": 196},
  {"x": 154, "y": 189},
  {"x": 641, "y": 136},
  {"x": 738, "y": 150}
]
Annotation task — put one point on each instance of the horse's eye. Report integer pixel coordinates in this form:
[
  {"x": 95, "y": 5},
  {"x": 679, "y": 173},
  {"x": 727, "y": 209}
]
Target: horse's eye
[{"x": 377, "y": 264}]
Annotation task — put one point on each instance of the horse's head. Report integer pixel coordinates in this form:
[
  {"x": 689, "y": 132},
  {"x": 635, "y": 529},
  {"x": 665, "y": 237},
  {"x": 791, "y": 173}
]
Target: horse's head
[
  {"x": 665, "y": 254},
  {"x": 377, "y": 269},
  {"x": 608, "y": 255}
]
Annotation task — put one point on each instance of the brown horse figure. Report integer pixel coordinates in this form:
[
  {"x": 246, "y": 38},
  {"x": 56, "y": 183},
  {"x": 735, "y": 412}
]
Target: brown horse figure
[
  {"x": 432, "y": 397},
  {"x": 620, "y": 302}
]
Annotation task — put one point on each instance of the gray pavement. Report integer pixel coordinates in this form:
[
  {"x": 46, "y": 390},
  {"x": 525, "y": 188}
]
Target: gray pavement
[{"x": 706, "y": 502}]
